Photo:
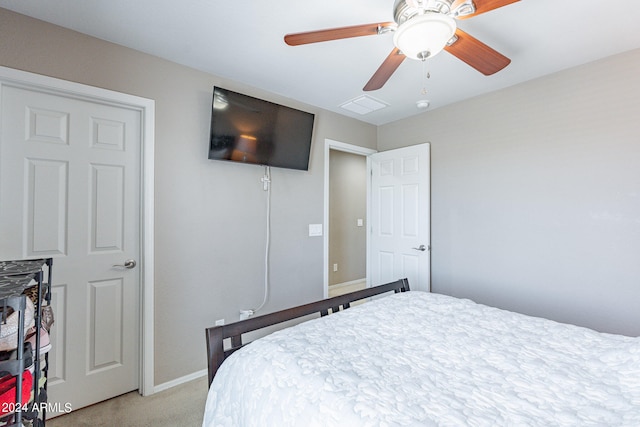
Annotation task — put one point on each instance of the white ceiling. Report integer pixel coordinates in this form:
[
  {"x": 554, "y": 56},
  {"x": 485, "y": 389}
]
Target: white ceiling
[{"x": 243, "y": 41}]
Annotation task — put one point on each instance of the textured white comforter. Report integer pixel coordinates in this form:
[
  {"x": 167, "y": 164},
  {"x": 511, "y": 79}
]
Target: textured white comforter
[{"x": 420, "y": 359}]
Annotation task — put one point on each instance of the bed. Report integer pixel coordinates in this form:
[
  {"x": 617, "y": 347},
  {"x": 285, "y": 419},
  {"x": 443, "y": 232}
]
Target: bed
[{"x": 419, "y": 359}]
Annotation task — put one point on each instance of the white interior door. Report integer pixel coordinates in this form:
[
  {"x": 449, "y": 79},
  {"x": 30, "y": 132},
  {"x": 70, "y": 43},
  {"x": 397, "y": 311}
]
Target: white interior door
[
  {"x": 399, "y": 244},
  {"x": 70, "y": 189}
]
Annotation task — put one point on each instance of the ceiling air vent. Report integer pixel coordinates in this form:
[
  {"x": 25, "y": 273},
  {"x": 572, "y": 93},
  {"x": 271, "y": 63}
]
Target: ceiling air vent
[{"x": 364, "y": 105}]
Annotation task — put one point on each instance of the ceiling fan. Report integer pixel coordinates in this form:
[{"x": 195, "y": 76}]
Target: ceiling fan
[{"x": 422, "y": 28}]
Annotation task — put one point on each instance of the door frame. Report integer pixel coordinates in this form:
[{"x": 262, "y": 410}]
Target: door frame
[
  {"x": 24, "y": 79},
  {"x": 330, "y": 144}
]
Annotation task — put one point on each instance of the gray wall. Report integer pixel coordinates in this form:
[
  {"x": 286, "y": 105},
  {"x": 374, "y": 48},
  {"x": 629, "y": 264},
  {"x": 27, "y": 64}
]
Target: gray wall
[
  {"x": 347, "y": 203},
  {"x": 536, "y": 195},
  {"x": 209, "y": 215}
]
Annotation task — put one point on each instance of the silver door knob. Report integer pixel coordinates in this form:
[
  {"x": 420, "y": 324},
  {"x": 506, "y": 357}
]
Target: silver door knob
[
  {"x": 130, "y": 263},
  {"x": 420, "y": 248}
]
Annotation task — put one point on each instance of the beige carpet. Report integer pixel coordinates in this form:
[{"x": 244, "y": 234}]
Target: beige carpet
[{"x": 182, "y": 405}]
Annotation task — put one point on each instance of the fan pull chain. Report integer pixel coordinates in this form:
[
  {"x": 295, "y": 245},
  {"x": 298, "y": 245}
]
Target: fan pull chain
[{"x": 425, "y": 75}]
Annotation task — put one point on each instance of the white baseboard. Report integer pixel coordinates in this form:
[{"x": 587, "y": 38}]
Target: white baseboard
[{"x": 181, "y": 380}]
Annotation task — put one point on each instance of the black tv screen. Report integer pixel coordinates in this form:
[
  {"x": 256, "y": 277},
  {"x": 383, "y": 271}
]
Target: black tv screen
[{"x": 251, "y": 130}]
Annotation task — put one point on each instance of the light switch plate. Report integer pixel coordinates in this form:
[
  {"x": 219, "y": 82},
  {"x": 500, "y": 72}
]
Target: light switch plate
[
  {"x": 315, "y": 230},
  {"x": 360, "y": 222}
]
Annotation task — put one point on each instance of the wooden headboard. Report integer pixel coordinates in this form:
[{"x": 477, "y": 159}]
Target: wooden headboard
[{"x": 216, "y": 354}]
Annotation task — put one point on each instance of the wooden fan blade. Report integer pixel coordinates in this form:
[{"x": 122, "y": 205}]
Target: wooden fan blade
[
  {"x": 482, "y": 6},
  {"x": 384, "y": 72},
  {"x": 477, "y": 54},
  {"x": 297, "y": 39}
]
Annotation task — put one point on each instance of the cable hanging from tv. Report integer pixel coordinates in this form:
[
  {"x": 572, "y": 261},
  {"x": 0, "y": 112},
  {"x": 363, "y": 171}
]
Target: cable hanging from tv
[{"x": 266, "y": 186}]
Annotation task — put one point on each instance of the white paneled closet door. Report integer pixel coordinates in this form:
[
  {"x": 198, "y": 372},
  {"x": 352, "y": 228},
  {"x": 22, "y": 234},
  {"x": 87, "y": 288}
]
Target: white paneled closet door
[
  {"x": 400, "y": 217},
  {"x": 70, "y": 189}
]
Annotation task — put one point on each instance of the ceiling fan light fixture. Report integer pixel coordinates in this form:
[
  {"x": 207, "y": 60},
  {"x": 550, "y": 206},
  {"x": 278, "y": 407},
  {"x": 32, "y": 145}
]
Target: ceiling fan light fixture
[{"x": 425, "y": 35}]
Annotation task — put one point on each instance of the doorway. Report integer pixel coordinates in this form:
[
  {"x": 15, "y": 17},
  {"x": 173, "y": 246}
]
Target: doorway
[
  {"x": 345, "y": 217},
  {"x": 398, "y": 242}
]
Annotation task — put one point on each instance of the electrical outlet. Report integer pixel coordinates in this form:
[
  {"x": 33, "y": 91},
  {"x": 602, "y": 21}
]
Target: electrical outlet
[
  {"x": 219, "y": 322},
  {"x": 335, "y": 267},
  {"x": 245, "y": 314}
]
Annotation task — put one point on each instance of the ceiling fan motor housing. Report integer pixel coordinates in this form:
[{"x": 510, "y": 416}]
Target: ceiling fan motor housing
[{"x": 404, "y": 10}]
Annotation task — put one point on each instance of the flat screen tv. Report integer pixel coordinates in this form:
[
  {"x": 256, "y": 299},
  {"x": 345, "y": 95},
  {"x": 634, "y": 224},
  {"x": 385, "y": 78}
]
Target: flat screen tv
[{"x": 251, "y": 130}]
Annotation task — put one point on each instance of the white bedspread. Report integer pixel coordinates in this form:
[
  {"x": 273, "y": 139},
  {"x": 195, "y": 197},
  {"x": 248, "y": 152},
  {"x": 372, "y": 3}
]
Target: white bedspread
[{"x": 419, "y": 359}]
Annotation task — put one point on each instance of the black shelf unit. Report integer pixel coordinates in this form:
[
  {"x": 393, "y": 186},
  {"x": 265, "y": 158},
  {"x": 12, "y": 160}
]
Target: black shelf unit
[{"x": 21, "y": 280}]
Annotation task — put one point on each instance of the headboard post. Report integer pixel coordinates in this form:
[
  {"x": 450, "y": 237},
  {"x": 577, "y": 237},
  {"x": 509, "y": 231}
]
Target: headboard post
[{"x": 215, "y": 350}]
